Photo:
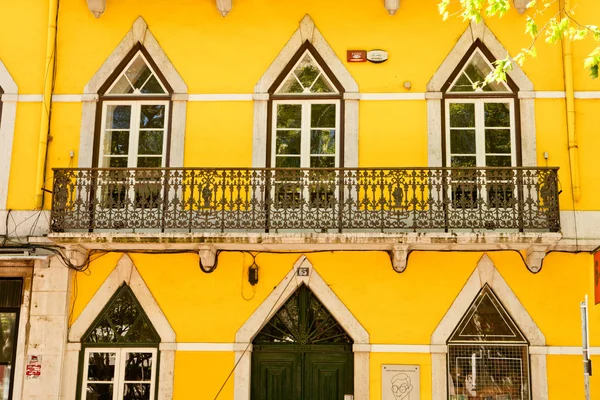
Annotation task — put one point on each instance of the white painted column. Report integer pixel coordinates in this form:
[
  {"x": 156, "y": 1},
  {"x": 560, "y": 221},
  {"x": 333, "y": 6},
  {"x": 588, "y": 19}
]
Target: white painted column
[
  {"x": 439, "y": 385},
  {"x": 178, "y": 124},
  {"x": 434, "y": 127},
  {"x": 86, "y": 136},
  {"x": 362, "y": 358},
  {"x": 528, "y": 134},
  {"x": 48, "y": 328},
  {"x": 241, "y": 382},
  {"x": 7, "y": 128},
  {"x": 259, "y": 142},
  {"x": 539, "y": 379},
  {"x": 351, "y": 129}
]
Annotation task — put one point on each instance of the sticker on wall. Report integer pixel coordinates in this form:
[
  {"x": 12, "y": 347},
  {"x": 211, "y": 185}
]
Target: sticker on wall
[
  {"x": 377, "y": 56},
  {"x": 400, "y": 382},
  {"x": 34, "y": 367}
]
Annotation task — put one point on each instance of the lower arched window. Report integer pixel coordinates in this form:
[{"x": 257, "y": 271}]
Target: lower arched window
[{"x": 488, "y": 356}]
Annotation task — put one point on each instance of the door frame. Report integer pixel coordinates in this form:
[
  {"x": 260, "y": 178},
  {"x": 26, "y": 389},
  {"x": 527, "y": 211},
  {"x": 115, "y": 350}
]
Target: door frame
[{"x": 278, "y": 297}]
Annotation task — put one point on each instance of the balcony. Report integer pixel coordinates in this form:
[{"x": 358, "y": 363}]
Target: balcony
[{"x": 292, "y": 200}]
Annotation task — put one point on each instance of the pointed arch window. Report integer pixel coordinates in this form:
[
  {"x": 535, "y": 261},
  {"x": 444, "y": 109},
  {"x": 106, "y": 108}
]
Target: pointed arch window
[
  {"x": 133, "y": 128},
  {"x": 481, "y": 127},
  {"x": 488, "y": 356},
  {"x": 306, "y": 109},
  {"x": 120, "y": 352}
]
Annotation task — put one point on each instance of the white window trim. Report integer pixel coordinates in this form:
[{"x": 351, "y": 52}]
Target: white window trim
[
  {"x": 305, "y": 129},
  {"x": 118, "y": 378},
  {"x": 134, "y": 129},
  {"x": 434, "y": 94},
  {"x": 7, "y": 129},
  {"x": 139, "y": 33},
  {"x": 306, "y": 32},
  {"x": 480, "y": 127},
  {"x": 127, "y": 272},
  {"x": 486, "y": 273},
  {"x": 278, "y": 297}
]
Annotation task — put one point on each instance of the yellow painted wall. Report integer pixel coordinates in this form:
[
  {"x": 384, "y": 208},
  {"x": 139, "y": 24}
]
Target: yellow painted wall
[
  {"x": 229, "y": 55},
  {"x": 394, "y": 308}
]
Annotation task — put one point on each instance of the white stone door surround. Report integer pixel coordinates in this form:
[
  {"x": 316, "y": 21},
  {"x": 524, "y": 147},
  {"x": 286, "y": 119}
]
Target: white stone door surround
[
  {"x": 278, "y": 297},
  {"x": 486, "y": 273}
]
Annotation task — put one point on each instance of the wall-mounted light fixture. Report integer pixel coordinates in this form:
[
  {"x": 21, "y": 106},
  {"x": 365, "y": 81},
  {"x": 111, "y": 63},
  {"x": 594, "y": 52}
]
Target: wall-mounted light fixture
[
  {"x": 224, "y": 6},
  {"x": 392, "y": 6},
  {"x": 253, "y": 274}
]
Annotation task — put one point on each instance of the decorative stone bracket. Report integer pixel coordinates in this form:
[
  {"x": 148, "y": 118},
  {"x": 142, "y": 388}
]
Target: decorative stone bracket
[
  {"x": 521, "y": 5},
  {"x": 208, "y": 257},
  {"x": 400, "y": 257},
  {"x": 535, "y": 257},
  {"x": 392, "y": 6}
]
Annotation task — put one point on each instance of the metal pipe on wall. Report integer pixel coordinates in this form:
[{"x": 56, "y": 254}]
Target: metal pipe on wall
[
  {"x": 47, "y": 99},
  {"x": 570, "y": 104}
]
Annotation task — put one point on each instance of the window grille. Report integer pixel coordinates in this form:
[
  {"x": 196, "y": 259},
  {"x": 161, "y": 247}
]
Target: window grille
[
  {"x": 488, "y": 357},
  {"x": 11, "y": 292}
]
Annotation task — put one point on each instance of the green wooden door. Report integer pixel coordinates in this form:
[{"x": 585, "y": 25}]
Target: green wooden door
[{"x": 302, "y": 353}]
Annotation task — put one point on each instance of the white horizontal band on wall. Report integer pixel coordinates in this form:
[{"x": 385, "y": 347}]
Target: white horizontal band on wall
[
  {"x": 77, "y": 98},
  {"x": 397, "y": 348}
]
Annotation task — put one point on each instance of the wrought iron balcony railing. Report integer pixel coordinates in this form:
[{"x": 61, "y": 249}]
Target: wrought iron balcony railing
[{"x": 249, "y": 199}]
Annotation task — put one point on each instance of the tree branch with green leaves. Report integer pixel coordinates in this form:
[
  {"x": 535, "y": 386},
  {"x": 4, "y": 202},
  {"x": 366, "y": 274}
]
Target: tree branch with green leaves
[{"x": 558, "y": 23}]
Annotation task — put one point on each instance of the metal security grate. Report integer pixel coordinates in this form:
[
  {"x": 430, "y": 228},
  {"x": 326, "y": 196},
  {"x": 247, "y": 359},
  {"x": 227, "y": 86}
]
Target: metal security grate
[
  {"x": 499, "y": 372},
  {"x": 10, "y": 292}
]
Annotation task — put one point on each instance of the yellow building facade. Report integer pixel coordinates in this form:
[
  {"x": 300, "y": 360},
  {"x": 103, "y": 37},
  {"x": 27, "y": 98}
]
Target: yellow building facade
[{"x": 292, "y": 200}]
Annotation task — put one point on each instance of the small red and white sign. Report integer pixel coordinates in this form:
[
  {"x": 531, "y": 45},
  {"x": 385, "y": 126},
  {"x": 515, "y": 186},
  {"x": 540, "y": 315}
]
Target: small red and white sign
[
  {"x": 34, "y": 367},
  {"x": 356, "y": 55}
]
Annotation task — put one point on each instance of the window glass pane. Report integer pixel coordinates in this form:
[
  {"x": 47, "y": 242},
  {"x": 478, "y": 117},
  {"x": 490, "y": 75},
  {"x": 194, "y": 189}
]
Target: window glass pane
[
  {"x": 291, "y": 85},
  {"x": 152, "y": 86},
  {"x": 138, "y": 72},
  {"x": 462, "y": 115},
  {"x": 287, "y": 162},
  {"x": 475, "y": 71},
  {"x": 7, "y": 336},
  {"x": 498, "y": 161},
  {"x": 118, "y": 116},
  {"x": 497, "y": 115},
  {"x": 322, "y": 141},
  {"x": 114, "y": 162},
  {"x": 288, "y": 142},
  {"x": 99, "y": 391},
  {"x": 149, "y": 162},
  {"x": 101, "y": 367},
  {"x": 122, "y": 86},
  {"x": 289, "y": 115},
  {"x": 152, "y": 116},
  {"x": 151, "y": 142},
  {"x": 322, "y": 86},
  {"x": 463, "y": 161},
  {"x": 138, "y": 367},
  {"x": 462, "y": 141},
  {"x": 307, "y": 71},
  {"x": 463, "y": 84},
  {"x": 116, "y": 142},
  {"x": 322, "y": 162},
  {"x": 497, "y": 141},
  {"x": 322, "y": 116},
  {"x": 136, "y": 391}
]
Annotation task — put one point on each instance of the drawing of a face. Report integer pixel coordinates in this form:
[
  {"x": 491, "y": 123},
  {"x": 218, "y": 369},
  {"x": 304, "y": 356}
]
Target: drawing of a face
[{"x": 401, "y": 387}]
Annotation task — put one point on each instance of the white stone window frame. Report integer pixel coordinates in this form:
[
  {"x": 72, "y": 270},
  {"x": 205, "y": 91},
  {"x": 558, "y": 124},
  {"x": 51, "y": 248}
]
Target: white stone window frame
[
  {"x": 307, "y": 31},
  {"x": 118, "y": 381},
  {"x": 124, "y": 272},
  {"x": 278, "y": 297},
  {"x": 138, "y": 34},
  {"x": 486, "y": 273},
  {"x": 442, "y": 75},
  {"x": 305, "y": 130},
  {"x": 480, "y": 152},
  {"x": 8, "y": 106},
  {"x": 134, "y": 129}
]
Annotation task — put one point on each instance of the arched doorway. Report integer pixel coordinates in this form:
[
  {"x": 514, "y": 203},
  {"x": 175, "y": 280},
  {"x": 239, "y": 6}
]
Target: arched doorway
[{"x": 302, "y": 353}]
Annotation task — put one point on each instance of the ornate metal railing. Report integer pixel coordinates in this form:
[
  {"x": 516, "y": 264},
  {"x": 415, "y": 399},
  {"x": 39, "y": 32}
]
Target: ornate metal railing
[{"x": 246, "y": 199}]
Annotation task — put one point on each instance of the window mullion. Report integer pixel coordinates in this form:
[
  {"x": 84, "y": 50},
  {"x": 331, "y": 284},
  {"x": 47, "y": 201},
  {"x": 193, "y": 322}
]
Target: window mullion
[
  {"x": 305, "y": 135},
  {"x": 480, "y": 132},
  {"x": 134, "y": 134},
  {"x": 119, "y": 389}
]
